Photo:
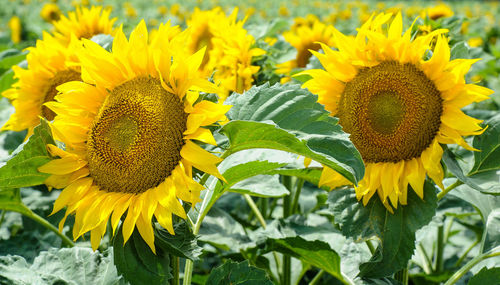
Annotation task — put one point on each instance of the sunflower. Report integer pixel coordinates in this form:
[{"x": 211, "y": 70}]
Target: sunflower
[
  {"x": 15, "y": 29},
  {"x": 129, "y": 130},
  {"x": 50, "y": 63},
  {"x": 50, "y": 12},
  {"x": 305, "y": 38},
  {"x": 84, "y": 23},
  {"x": 439, "y": 11},
  {"x": 230, "y": 49},
  {"x": 397, "y": 106}
]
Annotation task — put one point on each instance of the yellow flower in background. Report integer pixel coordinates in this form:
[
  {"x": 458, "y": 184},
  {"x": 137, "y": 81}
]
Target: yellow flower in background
[
  {"x": 50, "y": 64},
  {"x": 397, "y": 107},
  {"x": 307, "y": 21},
  {"x": 229, "y": 49},
  {"x": 304, "y": 39},
  {"x": 475, "y": 42},
  {"x": 129, "y": 130},
  {"x": 283, "y": 11},
  {"x": 439, "y": 11},
  {"x": 129, "y": 10},
  {"x": 15, "y": 29},
  {"x": 50, "y": 12},
  {"x": 84, "y": 23}
]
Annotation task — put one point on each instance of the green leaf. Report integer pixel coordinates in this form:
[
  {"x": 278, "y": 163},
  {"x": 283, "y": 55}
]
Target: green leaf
[
  {"x": 10, "y": 200},
  {"x": 288, "y": 118},
  {"x": 75, "y": 265},
  {"x": 450, "y": 160},
  {"x": 232, "y": 273},
  {"x": 105, "y": 41},
  {"x": 488, "y": 206},
  {"x": 488, "y": 158},
  {"x": 22, "y": 169},
  {"x": 261, "y": 186},
  {"x": 6, "y": 80},
  {"x": 7, "y": 62},
  {"x": 316, "y": 253},
  {"x": 486, "y": 276},
  {"x": 309, "y": 174},
  {"x": 460, "y": 50},
  {"x": 137, "y": 263},
  {"x": 183, "y": 244},
  {"x": 396, "y": 232}
]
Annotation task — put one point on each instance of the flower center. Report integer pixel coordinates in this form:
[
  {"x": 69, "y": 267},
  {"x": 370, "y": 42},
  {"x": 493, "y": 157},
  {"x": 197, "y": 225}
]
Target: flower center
[
  {"x": 50, "y": 90},
  {"x": 136, "y": 138},
  {"x": 392, "y": 111}
]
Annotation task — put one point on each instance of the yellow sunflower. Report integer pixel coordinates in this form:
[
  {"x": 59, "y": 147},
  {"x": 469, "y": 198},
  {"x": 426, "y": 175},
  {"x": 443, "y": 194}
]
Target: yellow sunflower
[
  {"x": 305, "y": 38},
  {"x": 439, "y": 11},
  {"x": 129, "y": 130},
  {"x": 84, "y": 23},
  {"x": 229, "y": 49},
  {"x": 50, "y": 63},
  {"x": 15, "y": 29},
  {"x": 397, "y": 106},
  {"x": 50, "y": 12}
]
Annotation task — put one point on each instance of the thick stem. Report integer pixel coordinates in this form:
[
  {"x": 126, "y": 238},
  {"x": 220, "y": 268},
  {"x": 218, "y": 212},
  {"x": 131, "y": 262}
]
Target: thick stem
[
  {"x": 287, "y": 260},
  {"x": 296, "y": 196},
  {"x": 174, "y": 264},
  {"x": 440, "y": 249},
  {"x": 370, "y": 246},
  {"x": 462, "y": 271},
  {"x": 441, "y": 194},
  {"x": 66, "y": 240},
  {"x": 402, "y": 276}
]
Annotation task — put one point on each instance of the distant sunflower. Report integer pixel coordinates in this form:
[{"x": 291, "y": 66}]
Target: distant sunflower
[
  {"x": 129, "y": 129},
  {"x": 439, "y": 11},
  {"x": 230, "y": 49},
  {"x": 397, "y": 106},
  {"x": 50, "y": 64},
  {"x": 16, "y": 29},
  {"x": 50, "y": 12},
  {"x": 305, "y": 38},
  {"x": 84, "y": 23}
]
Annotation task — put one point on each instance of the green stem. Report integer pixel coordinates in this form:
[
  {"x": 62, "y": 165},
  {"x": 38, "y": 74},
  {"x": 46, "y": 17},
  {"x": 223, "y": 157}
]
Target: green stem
[
  {"x": 464, "y": 255},
  {"x": 427, "y": 261},
  {"x": 440, "y": 249},
  {"x": 295, "y": 203},
  {"x": 402, "y": 276},
  {"x": 174, "y": 264},
  {"x": 255, "y": 209},
  {"x": 3, "y": 217},
  {"x": 462, "y": 271},
  {"x": 287, "y": 260},
  {"x": 66, "y": 240},
  {"x": 317, "y": 277},
  {"x": 205, "y": 207},
  {"x": 441, "y": 194},
  {"x": 370, "y": 246}
]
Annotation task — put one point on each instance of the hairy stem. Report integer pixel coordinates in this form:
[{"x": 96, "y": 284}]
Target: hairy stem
[
  {"x": 462, "y": 271},
  {"x": 441, "y": 194}
]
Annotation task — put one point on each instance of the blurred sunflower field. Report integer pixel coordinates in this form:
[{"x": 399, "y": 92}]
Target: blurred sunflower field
[{"x": 256, "y": 142}]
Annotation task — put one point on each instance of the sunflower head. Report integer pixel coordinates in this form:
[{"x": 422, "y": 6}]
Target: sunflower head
[
  {"x": 130, "y": 129},
  {"x": 84, "y": 23},
  {"x": 50, "y": 12},
  {"x": 50, "y": 63},
  {"x": 16, "y": 29},
  {"x": 306, "y": 38},
  {"x": 230, "y": 49},
  {"x": 439, "y": 11},
  {"x": 397, "y": 105}
]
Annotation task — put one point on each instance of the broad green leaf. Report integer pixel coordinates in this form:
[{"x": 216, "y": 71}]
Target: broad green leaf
[
  {"x": 183, "y": 243},
  {"x": 10, "y": 200},
  {"x": 22, "y": 169},
  {"x": 137, "y": 263},
  {"x": 450, "y": 160},
  {"x": 75, "y": 265},
  {"x": 8, "y": 61},
  {"x": 486, "y": 276},
  {"x": 232, "y": 273},
  {"x": 261, "y": 186},
  {"x": 488, "y": 206},
  {"x": 396, "y": 232},
  {"x": 105, "y": 41},
  {"x": 316, "y": 253},
  {"x": 6, "y": 80},
  {"x": 459, "y": 50},
  {"x": 308, "y": 174},
  {"x": 288, "y": 118},
  {"x": 488, "y": 158}
]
